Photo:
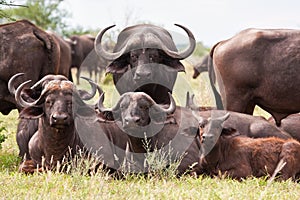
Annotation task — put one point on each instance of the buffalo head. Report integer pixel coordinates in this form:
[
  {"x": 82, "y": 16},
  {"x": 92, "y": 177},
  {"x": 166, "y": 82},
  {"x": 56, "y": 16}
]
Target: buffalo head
[
  {"x": 145, "y": 59},
  {"x": 58, "y": 102},
  {"x": 138, "y": 113}
]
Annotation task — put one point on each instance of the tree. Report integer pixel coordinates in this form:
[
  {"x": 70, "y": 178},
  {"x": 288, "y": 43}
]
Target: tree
[
  {"x": 6, "y": 3},
  {"x": 46, "y": 14}
]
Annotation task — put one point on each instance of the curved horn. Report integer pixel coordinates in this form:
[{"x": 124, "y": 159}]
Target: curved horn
[
  {"x": 172, "y": 106},
  {"x": 19, "y": 98},
  {"x": 101, "y": 51},
  {"x": 11, "y": 82},
  {"x": 38, "y": 85},
  {"x": 100, "y": 104},
  {"x": 88, "y": 96},
  {"x": 186, "y": 52},
  {"x": 223, "y": 118}
]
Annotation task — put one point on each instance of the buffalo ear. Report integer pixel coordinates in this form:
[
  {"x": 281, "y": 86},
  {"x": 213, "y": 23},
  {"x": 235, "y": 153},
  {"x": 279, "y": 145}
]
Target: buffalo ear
[
  {"x": 175, "y": 64},
  {"x": 31, "y": 113},
  {"x": 229, "y": 132},
  {"x": 117, "y": 66},
  {"x": 106, "y": 116}
]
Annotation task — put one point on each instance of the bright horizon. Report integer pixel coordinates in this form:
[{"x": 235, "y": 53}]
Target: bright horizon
[{"x": 210, "y": 20}]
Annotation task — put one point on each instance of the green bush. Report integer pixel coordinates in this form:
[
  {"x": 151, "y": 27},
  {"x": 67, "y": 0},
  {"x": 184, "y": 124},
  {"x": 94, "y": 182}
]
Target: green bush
[{"x": 2, "y": 137}]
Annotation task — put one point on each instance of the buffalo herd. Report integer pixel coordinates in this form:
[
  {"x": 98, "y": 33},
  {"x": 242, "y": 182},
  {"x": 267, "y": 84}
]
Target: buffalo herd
[{"x": 254, "y": 67}]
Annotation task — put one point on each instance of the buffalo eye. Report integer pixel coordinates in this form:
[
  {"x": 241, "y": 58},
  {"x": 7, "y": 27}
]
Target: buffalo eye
[
  {"x": 133, "y": 57},
  {"x": 49, "y": 102},
  {"x": 69, "y": 103},
  {"x": 143, "y": 107},
  {"x": 152, "y": 57}
]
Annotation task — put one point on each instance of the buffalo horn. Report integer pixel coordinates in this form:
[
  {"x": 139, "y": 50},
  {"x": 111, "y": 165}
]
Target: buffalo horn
[
  {"x": 171, "y": 109},
  {"x": 186, "y": 52},
  {"x": 101, "y": 51},
  {"x": 19, "y": 98},
  {"x": 94, "y": 86},
  {"x": 11, "y": 83}
]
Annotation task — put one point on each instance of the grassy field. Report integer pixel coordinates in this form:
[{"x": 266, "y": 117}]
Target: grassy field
[{"x": 52, "y": 185}]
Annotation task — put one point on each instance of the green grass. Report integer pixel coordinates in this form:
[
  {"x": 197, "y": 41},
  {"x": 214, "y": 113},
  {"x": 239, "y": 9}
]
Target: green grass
[{"x": 74, "y": 185}]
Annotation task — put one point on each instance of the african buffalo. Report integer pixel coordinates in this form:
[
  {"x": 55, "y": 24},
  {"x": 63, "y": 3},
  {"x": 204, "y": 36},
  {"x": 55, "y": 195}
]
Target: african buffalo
[
  {"x": 145, "y": 59},
  {"x": 247, "y": 125},
  {"x": 65, "y": 59},
  {"x": 82, "y": 47},
  {"x": 165, "y": 128},
  {"x": 202, "y": 66},
  {"x": 27, "y": 127},
  {"x": 56, "y": 107},
  {"x": 241, "y": 157},
  {"x": 259, "y": 67},
  {"x": 28, "y": 49},
  {"x": 290, "y": 124},
  {"x": 56, "y": 132}
]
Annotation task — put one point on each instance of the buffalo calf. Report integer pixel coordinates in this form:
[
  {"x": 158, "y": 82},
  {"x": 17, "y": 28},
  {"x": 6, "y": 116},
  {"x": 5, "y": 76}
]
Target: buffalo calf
[{"x": 240, "y": 157}]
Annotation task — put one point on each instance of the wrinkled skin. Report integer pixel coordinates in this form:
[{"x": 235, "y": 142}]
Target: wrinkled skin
[
  {"x": 260, "y": 67},
  {"x": 141, "y": 61},
  {"x": 241, "y": 157},
  {"x": 28, "y": 49}
]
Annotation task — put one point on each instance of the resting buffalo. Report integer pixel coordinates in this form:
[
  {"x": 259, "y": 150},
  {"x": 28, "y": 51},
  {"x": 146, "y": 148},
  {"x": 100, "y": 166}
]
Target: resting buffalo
[
  {"x": 27, "y": 127},
  {"x": 241, "y": 157},
  {"x": 82, "y": 47},
  {"x": 145, "y": 59},
  {"x": 247, "y": 125},
  {"x": 290, "y": 124},
  {"x": 49, "y": 109},
  {"x": 260, "y": 67},
  {"x": 165, "y": 128},
  {"x": 28, "y": 49}
]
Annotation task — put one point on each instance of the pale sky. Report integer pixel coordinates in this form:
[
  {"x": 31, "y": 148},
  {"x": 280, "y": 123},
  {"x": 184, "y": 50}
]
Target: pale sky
[{"x": 209, "y": 20}]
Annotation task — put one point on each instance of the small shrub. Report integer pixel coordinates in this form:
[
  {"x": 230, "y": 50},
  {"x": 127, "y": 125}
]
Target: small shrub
[{"x": 2, "y": 136}]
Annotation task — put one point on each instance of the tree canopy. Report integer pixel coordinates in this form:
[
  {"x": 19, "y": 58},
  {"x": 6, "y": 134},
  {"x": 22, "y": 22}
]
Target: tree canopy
[{"x": 46, "y": 14}]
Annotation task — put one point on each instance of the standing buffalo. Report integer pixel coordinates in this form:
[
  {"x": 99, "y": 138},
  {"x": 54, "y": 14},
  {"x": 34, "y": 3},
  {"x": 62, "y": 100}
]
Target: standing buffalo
[
  {"x": 260, "y": 67},
  {"x": 82, "y": 47},
  {"x": 65, "y": 58},
  {"x": 25, "y": 48},
  {"x": 202, "y": 66},
  {"x": 145, "y": 59}
]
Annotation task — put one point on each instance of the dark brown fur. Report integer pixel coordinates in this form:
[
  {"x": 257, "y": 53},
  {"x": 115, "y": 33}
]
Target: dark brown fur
[
  {"x": 241, "y": 157},
  {"x": 260, "y": 67},
  {"x": 28, "y": 49}
]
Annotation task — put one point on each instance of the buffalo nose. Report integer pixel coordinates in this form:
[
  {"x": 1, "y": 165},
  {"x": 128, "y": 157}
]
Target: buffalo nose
[
  {"x": 142, "y": 75},
  {"x": 59, "y": 117},
  {"x": 132, "y": 120}
]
